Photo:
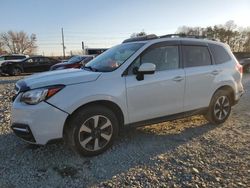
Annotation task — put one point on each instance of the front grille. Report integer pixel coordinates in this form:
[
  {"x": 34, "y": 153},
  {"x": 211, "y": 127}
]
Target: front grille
[{"x": 23, "y": 131}]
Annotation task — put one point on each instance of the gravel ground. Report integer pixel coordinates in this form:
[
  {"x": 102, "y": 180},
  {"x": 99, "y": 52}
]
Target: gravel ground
[{"x": 185, "y": 153}]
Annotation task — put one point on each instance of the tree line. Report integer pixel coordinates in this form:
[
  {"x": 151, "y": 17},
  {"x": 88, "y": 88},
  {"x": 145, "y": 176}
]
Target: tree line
[{"x": 237, "y": 38}]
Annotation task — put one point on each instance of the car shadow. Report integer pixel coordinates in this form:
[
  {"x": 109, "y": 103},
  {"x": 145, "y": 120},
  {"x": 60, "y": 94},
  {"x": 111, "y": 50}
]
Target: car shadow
[{"x": 136, "y": 146}]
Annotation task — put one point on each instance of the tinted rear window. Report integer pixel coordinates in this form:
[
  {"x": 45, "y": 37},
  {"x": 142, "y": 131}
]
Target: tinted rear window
[
  {"x": 196, "y": 56},
  {"x": 219, "y": 53}
]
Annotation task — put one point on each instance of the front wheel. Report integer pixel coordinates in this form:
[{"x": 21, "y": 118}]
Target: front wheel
[
  {"x": 15, "y": 71},
  {"x": 92, "y": 130},
  {"x": 219, "y": 108}
]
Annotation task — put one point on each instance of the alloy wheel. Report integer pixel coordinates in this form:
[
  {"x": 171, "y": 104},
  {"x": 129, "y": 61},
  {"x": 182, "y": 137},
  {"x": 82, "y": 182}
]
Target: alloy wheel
[
  {"x": 95, "y": 133},
  {"x": 222, "y": 107}
]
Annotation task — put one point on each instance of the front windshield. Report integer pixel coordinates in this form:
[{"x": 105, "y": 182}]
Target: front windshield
[
  {"x": 75, "y": 59},
  {"x": 114, "y": 57},
  {"x": 2, "y": 59}
]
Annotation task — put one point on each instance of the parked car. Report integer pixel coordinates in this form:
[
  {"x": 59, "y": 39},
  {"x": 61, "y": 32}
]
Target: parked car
[
  {"x": 142, "y": 81},
  {"x": 28, "y": 65},
  {"x": 13, "y": 57},
  {"x": 74, "y": 62},
  {"x": 246, "y": 64}
]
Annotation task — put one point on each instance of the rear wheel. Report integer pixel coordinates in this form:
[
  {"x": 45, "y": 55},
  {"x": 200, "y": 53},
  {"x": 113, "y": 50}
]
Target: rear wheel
[
  {"x": 15, "y": 71},
  {"x": 219, "y": 108},
  {"x": 92, "y": 130}
]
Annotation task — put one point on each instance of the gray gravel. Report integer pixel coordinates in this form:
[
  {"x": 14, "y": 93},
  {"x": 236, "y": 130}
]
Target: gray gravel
[{"x": 183, "y": 153}]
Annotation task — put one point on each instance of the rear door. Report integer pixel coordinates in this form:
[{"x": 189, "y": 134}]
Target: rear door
[{"x": 199, "y": 75}]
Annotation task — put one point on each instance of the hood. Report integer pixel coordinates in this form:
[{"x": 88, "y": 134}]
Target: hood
[{"x": 65, "y": 77}]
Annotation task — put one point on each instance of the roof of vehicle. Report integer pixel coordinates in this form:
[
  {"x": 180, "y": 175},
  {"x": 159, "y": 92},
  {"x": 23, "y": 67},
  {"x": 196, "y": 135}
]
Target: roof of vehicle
[
  {"x": 172, "y": 37},
  {"x": 14, "y": 55}
]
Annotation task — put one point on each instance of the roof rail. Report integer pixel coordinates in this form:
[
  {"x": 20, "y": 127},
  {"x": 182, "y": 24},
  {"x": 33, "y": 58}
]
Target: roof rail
[
  {"x": 187, "y": 36},
  {"x": 183, "y": 36},
  {"x": 141, "y": 38}
]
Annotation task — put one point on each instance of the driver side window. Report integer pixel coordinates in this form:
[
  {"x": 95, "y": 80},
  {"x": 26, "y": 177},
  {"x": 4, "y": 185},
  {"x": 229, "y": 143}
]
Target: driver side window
[{"x": 164, "y": 58}]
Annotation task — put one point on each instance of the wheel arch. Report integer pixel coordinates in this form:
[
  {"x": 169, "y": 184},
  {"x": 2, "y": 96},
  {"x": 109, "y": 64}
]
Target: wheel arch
[
  {"x": 229, "y": 89},
  {"x": 108, "y": 104}
]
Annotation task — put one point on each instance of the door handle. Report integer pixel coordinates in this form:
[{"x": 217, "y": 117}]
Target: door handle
[
  {"x": 178, "y": 78},
  {"x": 215, "y": 72}
]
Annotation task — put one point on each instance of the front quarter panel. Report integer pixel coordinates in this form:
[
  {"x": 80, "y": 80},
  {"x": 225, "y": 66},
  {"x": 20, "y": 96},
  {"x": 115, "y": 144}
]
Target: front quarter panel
[{"x": 108, "y": 86}]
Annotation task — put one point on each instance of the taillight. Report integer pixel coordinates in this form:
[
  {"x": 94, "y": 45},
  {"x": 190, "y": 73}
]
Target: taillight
[{"x": 239, "y": 68}]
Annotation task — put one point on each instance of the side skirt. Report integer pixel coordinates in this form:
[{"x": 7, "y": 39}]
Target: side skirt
[{"x": 167, "y": 118}]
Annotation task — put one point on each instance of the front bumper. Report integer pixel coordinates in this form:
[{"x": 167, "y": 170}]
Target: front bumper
[
  {"x": 23, "y": 131},
  {"x": 39, "y": 123}
]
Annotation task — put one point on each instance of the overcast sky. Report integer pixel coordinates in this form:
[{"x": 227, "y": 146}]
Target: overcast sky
[{"x": 103, "y": 23}]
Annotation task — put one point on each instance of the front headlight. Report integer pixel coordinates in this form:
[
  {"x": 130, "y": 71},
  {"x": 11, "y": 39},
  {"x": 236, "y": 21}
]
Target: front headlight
[{"x": 35, "y": 96}]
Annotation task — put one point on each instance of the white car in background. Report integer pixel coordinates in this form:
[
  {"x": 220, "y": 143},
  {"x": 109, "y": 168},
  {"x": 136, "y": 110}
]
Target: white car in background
[
  {"x": 142, "y": 81},
  {"x": 13, "y": 57}
]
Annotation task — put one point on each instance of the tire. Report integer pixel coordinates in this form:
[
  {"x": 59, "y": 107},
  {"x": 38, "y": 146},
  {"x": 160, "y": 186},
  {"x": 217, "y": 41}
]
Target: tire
[
  {"x": 219, "y": 108},
  {"x": 15, "y": 71},
  {"x": 91, "y": 130}
]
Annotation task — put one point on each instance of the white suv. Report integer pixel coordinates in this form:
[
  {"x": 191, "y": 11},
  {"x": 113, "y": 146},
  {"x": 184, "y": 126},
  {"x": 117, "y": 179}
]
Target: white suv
[{"x": 142, "y": 81}]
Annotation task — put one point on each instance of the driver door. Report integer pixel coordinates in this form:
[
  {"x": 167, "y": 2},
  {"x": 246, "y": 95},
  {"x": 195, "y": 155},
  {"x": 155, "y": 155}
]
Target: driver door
[
  {"x": 30, "y": 65},
  {"x": 161, "y": 93}
]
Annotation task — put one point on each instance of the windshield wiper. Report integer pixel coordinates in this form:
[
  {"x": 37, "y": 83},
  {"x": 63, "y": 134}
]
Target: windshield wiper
[{"x": 90, "y": 68}]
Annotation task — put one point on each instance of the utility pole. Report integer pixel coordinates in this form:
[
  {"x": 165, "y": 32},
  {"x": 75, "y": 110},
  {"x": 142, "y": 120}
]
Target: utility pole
[{"x": 63, "y": 44}]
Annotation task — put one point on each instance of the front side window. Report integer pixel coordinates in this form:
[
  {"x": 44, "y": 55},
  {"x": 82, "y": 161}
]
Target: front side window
[
  {"x": 113, "y": 58},
  {"x": 164, "y": 58},
  {"x": 194, "y": 56},
  {"x": 30, "y": 60}
]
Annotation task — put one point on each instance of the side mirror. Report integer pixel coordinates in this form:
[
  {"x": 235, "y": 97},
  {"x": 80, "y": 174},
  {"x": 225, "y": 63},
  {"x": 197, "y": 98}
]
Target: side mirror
[{"x": 145, "y": 68}]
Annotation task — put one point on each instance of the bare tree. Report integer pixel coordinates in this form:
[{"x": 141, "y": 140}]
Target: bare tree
[
  {"x": 1, "y": 48},
  {"x": 19, "y": 42}
]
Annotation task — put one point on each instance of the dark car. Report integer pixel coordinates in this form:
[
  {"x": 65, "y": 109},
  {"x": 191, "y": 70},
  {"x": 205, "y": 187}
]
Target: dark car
[
  {"x": 74, "y": 62},
  {"x": 246, "y": 64},
  {"x": 28, "y": 65}
]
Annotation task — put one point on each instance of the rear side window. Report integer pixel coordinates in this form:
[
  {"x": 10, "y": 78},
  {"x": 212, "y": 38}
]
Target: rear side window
[
  {"x": 219, "y": 53},
  {"x": 196, "y": 56}
]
